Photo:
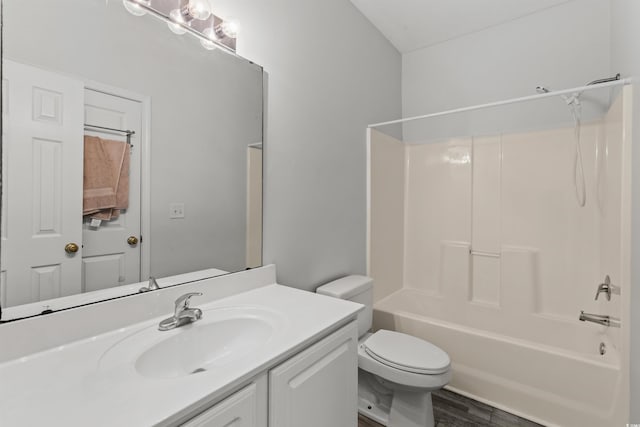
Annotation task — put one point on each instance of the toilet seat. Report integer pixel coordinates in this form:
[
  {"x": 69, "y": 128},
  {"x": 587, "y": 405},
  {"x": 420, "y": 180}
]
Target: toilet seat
[
  {"x": 407, "y": 353},
  {"x": 418, "y": 382}
]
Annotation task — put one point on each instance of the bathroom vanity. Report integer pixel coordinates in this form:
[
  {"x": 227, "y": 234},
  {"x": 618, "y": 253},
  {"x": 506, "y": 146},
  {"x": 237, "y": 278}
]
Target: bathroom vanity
[{"x": 261, "y": 354}]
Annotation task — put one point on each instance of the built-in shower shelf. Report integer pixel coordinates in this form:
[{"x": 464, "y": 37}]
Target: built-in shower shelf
[{"x": 485, "y": 254}]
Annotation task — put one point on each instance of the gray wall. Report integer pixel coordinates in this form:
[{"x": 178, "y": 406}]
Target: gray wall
[
  {"x": 206, "y": 109},
  {"x": 625, "y": 58},
  {"x": 330, "y": 74},
  {"x": 560, "y": 47}
]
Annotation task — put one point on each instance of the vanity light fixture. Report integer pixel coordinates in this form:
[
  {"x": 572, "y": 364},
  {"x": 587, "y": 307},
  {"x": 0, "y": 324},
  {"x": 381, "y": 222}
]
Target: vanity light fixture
[
  {"x": 188, "y": 10},
  {"x": 176, "y": 28},
  {"x": 217, "y": 31},
  {"x": 189, "y": 16},
  {"x": 199, "y": 9},
  {"x": 177, "y": 21},
  {"x": 229, "y": 29},
  {"x": 211, "y": 37},
  {"x": 134, "y": 8}
]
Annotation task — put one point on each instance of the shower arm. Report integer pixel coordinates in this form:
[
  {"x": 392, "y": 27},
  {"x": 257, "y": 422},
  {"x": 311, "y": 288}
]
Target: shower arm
[{"x": 606, "y": 80}]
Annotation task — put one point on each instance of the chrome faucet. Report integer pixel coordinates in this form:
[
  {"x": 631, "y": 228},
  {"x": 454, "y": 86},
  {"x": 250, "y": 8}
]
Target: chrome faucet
[
  {"x": 183, "y": 314},
  {"x": 599, "y": 319},
  {"x": 606, "y": 288},
  {"x": 152, "y": 285}
]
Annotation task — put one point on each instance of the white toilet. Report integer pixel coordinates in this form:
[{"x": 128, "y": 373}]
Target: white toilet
[{"x": 397, "y": 372}]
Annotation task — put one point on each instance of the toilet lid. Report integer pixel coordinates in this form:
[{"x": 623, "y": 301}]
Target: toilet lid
[{"x": 407, "y": 353}]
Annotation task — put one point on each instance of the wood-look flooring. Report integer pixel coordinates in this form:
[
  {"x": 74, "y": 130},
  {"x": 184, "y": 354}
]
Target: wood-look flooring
[
  {"x": 366, "y": 422},
  {"x": 453, "y": 410}
]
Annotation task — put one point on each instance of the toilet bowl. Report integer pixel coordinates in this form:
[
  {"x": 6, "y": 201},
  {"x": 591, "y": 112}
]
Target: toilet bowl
[{"x": 397, "y": 372}]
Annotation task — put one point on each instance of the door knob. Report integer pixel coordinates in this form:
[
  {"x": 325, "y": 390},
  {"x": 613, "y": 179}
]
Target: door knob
[
  {"x": 132, "y": 240},
  {"x": 71, "y": 248}
]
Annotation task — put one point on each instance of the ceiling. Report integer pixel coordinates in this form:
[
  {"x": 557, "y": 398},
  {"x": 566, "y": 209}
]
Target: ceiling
[{"x": 414, "y": 24}]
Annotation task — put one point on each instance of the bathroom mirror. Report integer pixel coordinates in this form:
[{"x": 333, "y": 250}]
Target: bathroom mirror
[{"x": 81, "y": 78}]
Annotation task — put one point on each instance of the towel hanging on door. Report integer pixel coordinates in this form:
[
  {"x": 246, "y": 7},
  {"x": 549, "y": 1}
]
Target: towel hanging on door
[{"x": 105, "y": 178}]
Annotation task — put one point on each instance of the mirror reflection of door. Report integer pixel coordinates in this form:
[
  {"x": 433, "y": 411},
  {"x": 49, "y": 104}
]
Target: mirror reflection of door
[
  {"x": 42, "y": 198},
  {"x": 51, "y": 251},
  {"x": 111, "y": 248}
]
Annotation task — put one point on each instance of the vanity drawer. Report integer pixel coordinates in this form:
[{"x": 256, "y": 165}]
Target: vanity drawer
[{"x": 245, "y": 408}]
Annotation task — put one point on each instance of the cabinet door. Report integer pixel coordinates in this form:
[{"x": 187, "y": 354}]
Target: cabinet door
[
  {"x": 245, "y": 408},
  {"x": 319, "y": 386}
]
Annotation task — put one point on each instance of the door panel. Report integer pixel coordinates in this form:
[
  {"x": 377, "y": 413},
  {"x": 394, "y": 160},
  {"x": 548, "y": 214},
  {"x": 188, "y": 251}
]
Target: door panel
[
  {"x": 42, "y": 199},
  {"x": 45, "y": 282},
  {"x": 102, "y": 271}
]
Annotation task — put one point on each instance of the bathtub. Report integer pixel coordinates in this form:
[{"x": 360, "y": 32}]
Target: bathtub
[{"x": 549, "y": 381}]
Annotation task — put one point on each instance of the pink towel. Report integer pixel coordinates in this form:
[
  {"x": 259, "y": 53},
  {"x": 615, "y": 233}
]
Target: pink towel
[{"x": 106, "y": 177}]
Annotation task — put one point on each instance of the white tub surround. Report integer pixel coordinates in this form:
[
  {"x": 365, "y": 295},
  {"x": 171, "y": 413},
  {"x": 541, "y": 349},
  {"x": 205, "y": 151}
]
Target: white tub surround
[
  {"x": 93, "y": 374},
  {"x": 498, "y": 256}
]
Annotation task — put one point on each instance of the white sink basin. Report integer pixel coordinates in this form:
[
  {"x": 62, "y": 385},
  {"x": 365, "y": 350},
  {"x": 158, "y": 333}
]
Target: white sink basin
[{"x": 223, "y": 336}]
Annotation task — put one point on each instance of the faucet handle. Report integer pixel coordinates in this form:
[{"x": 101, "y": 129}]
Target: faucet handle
[
  {"x": 152, "y": 285},
  {"x": 605, "y": 287},
  {"x": 182, "y": 303}
]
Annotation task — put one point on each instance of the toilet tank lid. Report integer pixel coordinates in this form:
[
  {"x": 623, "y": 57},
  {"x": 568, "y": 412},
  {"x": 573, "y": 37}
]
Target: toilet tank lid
[{"x": 346, "y": 287}]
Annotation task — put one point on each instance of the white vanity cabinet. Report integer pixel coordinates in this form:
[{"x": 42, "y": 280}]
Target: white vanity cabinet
[
  {"x": 244, "y": 408},
  {"x": 318, "y": 387}
]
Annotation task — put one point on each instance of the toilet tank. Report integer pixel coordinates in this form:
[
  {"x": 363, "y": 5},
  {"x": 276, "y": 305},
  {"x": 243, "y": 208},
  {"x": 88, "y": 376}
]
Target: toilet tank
[{"x": 357, "y": 289}]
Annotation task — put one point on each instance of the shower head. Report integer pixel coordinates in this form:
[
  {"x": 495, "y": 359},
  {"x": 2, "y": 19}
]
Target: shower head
[{"x": 574, "y": 99}]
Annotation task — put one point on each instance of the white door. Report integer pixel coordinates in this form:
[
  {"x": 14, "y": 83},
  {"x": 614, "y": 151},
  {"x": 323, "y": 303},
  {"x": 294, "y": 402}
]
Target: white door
[
  {"x": 42, "y": 184},
  {"x": 318, "y": 387},
  {"x": 109, "y": 258}
]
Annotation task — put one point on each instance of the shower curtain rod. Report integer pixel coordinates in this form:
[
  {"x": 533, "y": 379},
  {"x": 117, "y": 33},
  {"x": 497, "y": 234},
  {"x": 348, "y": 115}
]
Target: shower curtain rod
[{"x": 508, "y": 101}]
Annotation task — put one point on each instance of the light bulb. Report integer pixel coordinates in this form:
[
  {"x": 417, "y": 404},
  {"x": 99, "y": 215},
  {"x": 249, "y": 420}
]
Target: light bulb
[
  {"x": 133, "y": 6},
  {"x": 210, "y": 33},
  {"x": 177, "y": 19},
  {"x": 230, "y": 29},
  {"x": 208, "y": 44},
  {"x": 199, "y": 9}
]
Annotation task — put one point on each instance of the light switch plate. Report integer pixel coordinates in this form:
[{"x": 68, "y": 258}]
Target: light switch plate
[{"x": 176, "y": 210}]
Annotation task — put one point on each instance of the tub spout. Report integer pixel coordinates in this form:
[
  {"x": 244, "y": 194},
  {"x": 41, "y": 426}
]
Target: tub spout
[{"x": 599, "y": 319}]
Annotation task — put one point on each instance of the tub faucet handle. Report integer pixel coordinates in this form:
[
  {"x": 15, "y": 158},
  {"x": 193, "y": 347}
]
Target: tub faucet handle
[{"x": 606, "y": 288}]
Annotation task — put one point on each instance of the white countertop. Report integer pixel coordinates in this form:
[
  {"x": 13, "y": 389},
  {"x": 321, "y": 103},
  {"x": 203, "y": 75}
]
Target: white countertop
[{"x": 68, "y": 386}]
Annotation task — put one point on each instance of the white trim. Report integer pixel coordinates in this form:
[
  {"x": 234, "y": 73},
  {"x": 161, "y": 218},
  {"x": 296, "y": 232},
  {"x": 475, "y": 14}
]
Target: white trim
[
  {"x": 626, "y": 249},
  {"x": 145, "y": 166},
  {"x": 507, "y": 102},
  {"x": 145, "y": 190},
  {"x": 113, "y": 90},
  {"x": 368, "y": 239}
]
